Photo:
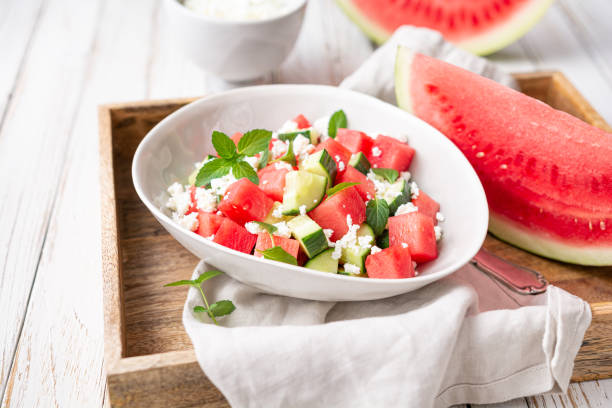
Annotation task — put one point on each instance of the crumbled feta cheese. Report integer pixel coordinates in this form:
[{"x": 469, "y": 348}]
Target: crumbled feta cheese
[
  {"x": 219, "y": 185},
  {"x": 438, "y": 231},
  {"x": 406, "y": 209},
  {"x": 206, "y": 200},
  {"x": 282, "y": 229},
  {"x": 189, "y": 221},
  {"x": 322, "y": 125},
  {"x": 375, "y": 250},
  {"x": 376, "y": 151},
  {"x": 340, "y": 162},
  {"x": 301, "y": 146},
  {"x": 253, "y": 161},
  {"x": 274, "y": 135},
  {"x": 180, "y": 199},
  {"x": 279, "y": 148},
  {"x": 175, "y": 188},
  {"x": 328, "y": 233},
  {"x": 278, "y": 212},
  {"x": 414, "y": 190},
  {"x": 350, "y": 268},
  {"x": 282, "y": 165},
  {"x": 253, "y": 227},
  {"x": 288, "y": 127},
  {"x": 349, "y": 239},
  {"x": 405, "y": 175},
  {"x": 349, "y": 220},
  {"x": 364, "y": 241},
  {"x": 263, "y": 183},
  {"x": 404, "y": 245},
  {"x": 439, "y": 216},
  {"x": 302, "y": 209}
]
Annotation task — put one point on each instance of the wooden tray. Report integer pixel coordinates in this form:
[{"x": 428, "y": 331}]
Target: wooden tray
[{"x": 149, "y": 358}]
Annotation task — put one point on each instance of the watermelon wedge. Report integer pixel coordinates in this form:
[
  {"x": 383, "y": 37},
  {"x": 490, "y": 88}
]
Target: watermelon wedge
[
  {"x": 547, "y": 175},
  {"x": 481, "y": 27}
]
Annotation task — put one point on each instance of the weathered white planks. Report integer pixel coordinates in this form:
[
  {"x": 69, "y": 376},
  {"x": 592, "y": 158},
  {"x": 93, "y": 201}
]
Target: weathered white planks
[
  {"x": 84, "y": 53},
  {"x": 32, "y": 141}
]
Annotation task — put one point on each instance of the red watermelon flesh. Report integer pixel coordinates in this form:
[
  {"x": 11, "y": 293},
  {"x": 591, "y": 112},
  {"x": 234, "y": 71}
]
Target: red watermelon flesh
[
  {"x": 427, "y": 205},
  {"x": 291, "y": 246},
  {"x": 208, "y": 223},
  {"x": 391, "y": 154},
  {"x": 365, "y": 188},
  {"x": 272, "y": 181},
  {"x": 415, "y": 230},
  {"x": 482, "y": 26},
  {"x": 302, "y": 122},
  {"x": 236, "y": 137},
  {"x": 394, "y": 262},
  {"x": 354, "y": 140},
  {"x": 193, "y": 207},
  {"x": 547, "y": 175},
  {"x": 235, "y": 236},
  {"x": 339, "y": 153},
  {"x": 243, "y": 201},
  {"x": 332, "y": 213}
]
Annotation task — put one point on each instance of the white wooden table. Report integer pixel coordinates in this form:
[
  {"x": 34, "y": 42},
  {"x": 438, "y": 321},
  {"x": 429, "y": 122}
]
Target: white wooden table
[{"x": 59, "y": 59}]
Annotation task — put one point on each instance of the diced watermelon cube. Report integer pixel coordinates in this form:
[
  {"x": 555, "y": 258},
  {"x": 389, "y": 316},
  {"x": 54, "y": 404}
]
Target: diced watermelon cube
[
  {"x": 244, "y": 201},
  {"x": 417, "y": 231},
  {"x": 236, "y": 137},
  {"x": 235, "y": 236},
  {"x": 354, "y": 140},
  {"x": 264, "y": 242},
  {"x": 339, "y": 153},
  {"x": 208, "y": 223},
  {"x": 365, "y": 188},
  {"x": 272, "y": 181},
  {"x": 427, "y": 205},
  {"x": 302, "y": 122},
  {"x": 394, "y": 262},
  {"x": 390, "y": 153},
  {"x": 332, "y": 213},
  {"x": 193, "y": 207}
]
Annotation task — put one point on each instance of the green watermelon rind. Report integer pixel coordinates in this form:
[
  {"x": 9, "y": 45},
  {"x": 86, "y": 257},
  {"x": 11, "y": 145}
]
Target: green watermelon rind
[
  {"x": 485, "y": 43},
  {"x": 403, "y": 60},
  {"x": 517, "y": 235}
]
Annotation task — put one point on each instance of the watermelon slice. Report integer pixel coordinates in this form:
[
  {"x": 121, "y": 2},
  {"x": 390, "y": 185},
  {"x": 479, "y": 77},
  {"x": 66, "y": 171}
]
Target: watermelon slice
[
  {"x": 354, "y": 140},
  {"x": 547, "y": 175},
  {"x": 391, "y": 263},
  {"x": 272, "y": 181},
  {"x": 208, "y": 223},
  {"x": 427, "y": 205},
  {"x": 302, "y": 122},
  {"x": 416, "y": 231},
  {"x": 236, "y": 137},
  {"x": 264, "y": 242},
  {"x": 390, "y": 153},
  {"x": 235, "y": 236},
  {"x": 339, "y": 153},
  {"x": 243, "y": 201},
  {"x": 481, "y": 27},
  {"x": 332, "y": 213},
  {"x": 365, "y": 188}
]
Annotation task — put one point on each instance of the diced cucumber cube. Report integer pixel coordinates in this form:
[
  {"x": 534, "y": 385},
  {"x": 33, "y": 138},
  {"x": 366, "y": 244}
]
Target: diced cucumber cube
[
  {"x": 303, "y": 192},
  {"x": 360, "y": 162},
  {"x": 397, "y": 194},
  {"x": 321, "y": 163},
  {"x": 323, "y": 262},
  {"x": 356, "y": 254},
  {"x": 309, "y": 234}
]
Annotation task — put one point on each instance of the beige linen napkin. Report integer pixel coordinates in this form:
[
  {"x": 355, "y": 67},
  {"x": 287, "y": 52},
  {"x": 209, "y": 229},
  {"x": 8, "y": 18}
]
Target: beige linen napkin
[{"x": 464, "y": 339}]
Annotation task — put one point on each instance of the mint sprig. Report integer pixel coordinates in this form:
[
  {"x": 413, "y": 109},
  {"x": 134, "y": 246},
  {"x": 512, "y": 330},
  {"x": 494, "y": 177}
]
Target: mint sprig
[
  {"x": 388, "y": 174},
  {"x": 339, "y": 187},
  {"x": 377, "y": 214},
  {"x": 289, "y": 156},
  {"x": 336, "y": 121},
  {"x": 232, "y": 158},
  {"x": 292, "y": 135},
  {"x": 277, "y": 253},
  {"x": 219, "y": 308}
]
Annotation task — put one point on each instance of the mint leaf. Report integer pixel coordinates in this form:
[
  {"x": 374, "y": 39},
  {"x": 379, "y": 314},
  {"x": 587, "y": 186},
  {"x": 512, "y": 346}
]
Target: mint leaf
[
  {"x": 289, "y": 156},
  {"x": 377, "y": 214},
  {"x": 279, "y": 254},
  {"x": 337, "y": 121},
  {"x": 383, "y": 240},
  {"x": 211, "y": 170},
  {"x": 292, "y": 135},
  {"x": 181, "y": 283},
  {"x": 388, "y": 174},
  {"x": 207, "y": 275},
  {"x": 242, "y": 169},
  {"x": 339, "y": 187},
  {"x": 268, "y": 227},
  {"x": 199, "y": 309},
  {"x": 254, "y": 141},
  {"x": 263, "y": 161},
  {"x": 224, "y": 146},
  {"x": 222, "y": 308}
]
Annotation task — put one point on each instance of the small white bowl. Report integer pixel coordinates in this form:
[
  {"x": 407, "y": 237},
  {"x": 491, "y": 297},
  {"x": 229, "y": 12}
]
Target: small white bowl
[
  {"x": 234, "y": 50},
  {"x": 170, "y": 149}
]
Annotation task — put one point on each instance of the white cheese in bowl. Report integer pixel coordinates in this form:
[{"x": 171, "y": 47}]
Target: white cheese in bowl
[{"x": 241, "y": 10}]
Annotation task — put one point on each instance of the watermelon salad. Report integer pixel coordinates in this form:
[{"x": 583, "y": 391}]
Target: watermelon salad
[{"x": 318, "y": 195}]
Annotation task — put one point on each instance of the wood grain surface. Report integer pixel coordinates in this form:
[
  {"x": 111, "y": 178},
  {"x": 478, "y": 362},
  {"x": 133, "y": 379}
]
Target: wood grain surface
[{"x": 62, "y": 58}]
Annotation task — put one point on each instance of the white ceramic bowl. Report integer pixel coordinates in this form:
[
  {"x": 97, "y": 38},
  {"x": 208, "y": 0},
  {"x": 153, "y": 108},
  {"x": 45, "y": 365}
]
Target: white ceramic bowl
[
  {"x": 168, "y": 152},
  {"x": 234, "y": 50}
]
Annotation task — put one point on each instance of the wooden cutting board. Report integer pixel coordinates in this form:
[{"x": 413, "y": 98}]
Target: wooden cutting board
[{"x": 149, "y": 358}]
